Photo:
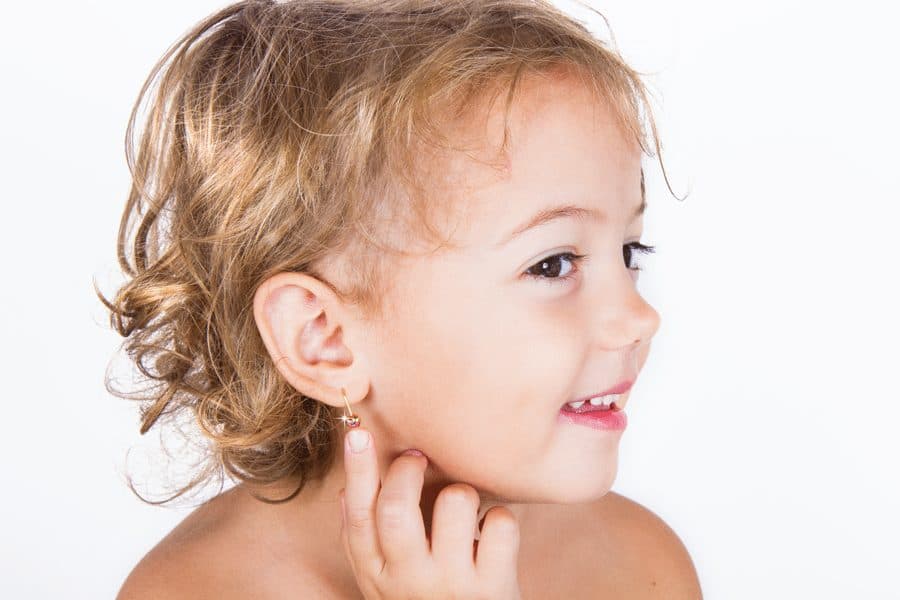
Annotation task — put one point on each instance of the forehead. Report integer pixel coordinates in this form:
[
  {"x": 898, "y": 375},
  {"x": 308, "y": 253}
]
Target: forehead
[{"x": 563, "y": 145}]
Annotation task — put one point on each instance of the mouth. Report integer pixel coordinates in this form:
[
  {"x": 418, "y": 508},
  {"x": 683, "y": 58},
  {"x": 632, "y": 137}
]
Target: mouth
[
  {"x": 612, "y": 399},
  {"x": 613, "y": 402}
]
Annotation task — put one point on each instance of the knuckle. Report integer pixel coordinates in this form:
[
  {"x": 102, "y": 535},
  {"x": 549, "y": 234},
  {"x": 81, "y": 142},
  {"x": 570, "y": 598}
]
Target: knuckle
[
  {"x": 408, "y": 462},
  {"x": 460, "y": 493},
  {"x": 392, "y": 513},
  {"x": 412, "y": 459},
  {"x": 503, "y": 521},
  {"x": 358, "y": 519},
  {"x": 407, "y": 467}
]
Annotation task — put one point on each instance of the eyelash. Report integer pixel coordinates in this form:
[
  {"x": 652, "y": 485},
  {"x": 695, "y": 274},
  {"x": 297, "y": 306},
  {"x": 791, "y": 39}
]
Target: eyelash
[{"x": 577, "y": 259}]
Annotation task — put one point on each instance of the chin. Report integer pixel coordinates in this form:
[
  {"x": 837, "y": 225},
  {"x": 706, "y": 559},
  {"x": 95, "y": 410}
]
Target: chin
[{"x": 582, "y": 486}]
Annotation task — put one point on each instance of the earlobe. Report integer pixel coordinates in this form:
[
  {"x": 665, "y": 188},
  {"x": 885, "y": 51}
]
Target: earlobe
[{"x": 304, "y": 340}]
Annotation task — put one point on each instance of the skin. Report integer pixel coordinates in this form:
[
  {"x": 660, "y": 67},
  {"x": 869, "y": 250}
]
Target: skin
[
  {"x": 496, "y": 354},
  {"x": 476, "y": 360}
]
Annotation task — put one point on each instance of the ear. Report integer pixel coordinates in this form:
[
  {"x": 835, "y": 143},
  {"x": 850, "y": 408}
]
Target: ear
[{"x": 301, "y": 323}]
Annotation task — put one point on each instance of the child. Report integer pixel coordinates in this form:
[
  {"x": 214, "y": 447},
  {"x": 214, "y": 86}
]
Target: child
[{"x": 415, "y": 221}]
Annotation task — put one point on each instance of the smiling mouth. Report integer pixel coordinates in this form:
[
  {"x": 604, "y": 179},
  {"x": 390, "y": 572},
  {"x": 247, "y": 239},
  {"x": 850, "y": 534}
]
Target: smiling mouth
[
  {"x": 611, "y": 399},
  {"x": 606, "y": 403}
]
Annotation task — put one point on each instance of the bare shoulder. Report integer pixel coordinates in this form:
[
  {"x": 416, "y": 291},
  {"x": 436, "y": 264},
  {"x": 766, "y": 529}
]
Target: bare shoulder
[
  {"x": 650, "y": 557},
  {"x": 159, "y": 575},
  {"x": 212, "y": 554},
  {"x": 183, "y": 563}
]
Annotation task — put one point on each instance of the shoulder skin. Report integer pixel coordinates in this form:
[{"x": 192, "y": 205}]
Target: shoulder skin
[{"x": 652, "y": 562}]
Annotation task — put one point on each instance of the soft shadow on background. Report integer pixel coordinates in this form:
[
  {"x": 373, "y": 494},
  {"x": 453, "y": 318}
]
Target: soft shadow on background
[{"x": 763, "y": 427}]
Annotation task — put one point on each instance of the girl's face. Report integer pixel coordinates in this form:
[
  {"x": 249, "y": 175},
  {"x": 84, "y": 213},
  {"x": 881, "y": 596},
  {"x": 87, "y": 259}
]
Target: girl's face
[{"x": 486, "y": 344}]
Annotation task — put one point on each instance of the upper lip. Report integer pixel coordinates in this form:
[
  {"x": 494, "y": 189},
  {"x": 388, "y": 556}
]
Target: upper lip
[{"x": 619, "y": 388}]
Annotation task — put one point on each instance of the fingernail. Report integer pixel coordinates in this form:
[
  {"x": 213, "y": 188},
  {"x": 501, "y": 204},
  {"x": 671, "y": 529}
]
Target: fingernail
[
  {"x": 359, "y": 440},
  {"x": 413, "y": 452}
]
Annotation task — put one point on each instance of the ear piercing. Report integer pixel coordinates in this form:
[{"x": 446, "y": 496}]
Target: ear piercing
[{"x": 350, "y": 420}]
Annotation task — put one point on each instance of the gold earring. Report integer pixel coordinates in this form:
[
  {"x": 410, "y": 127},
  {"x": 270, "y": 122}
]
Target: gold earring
[{"x": 350, "y": 420}]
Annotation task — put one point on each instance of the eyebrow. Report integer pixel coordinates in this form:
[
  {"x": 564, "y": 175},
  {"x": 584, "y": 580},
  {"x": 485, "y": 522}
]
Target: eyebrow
[{"x": 558, "y": 212}]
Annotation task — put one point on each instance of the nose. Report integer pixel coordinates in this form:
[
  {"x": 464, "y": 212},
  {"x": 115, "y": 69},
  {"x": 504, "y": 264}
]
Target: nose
[{"x": 624, "y": 318}]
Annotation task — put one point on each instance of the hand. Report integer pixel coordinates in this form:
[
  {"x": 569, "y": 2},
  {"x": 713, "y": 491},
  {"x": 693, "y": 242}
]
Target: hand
[{"x": 383, "y": 535}]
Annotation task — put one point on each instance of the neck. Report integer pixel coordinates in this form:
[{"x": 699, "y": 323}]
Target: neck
[{"x": 316, "y": 508}]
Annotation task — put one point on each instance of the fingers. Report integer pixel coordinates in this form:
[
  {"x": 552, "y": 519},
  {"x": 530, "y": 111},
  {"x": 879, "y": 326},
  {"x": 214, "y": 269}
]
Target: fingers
[
  {"x": 398, "y": 515},
  {"x": 384, "y": 533},
  {"x": 383, "y": 521},
  {"x": 498, "y": 546},
  {"x": 343, "y": 532},
  {"x": 453, "y": 528},
  {"x": 360, "y": 494}
]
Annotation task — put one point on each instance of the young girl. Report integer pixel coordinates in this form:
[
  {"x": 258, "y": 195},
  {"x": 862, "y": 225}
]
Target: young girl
[{"x": 416, "y": 222}]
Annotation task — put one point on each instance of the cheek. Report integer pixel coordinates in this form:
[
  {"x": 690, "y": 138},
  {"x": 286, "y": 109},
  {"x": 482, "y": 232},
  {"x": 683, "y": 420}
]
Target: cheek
[
  {"x": 421, "y": 371},
  {"x": 545, "y": 343},
  {"x": 492, "y": 371},
  {"x": 501, "y": 380}
]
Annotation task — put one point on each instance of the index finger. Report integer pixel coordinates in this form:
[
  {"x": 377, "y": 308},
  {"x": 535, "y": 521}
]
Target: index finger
[{"x": 361, "y": 491}]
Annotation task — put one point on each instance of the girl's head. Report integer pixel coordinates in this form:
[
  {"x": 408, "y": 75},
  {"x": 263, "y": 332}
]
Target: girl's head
[{"x": 333, "y": 194}]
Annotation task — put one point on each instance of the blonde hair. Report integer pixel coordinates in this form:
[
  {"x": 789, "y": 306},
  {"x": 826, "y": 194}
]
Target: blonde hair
[{"x": 279, "y": 134}]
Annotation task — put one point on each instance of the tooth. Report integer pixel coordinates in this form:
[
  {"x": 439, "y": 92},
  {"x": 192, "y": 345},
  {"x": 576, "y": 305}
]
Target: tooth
[
  {"x": 576, "y": 404},
  {"x": 607, "y": 400}
]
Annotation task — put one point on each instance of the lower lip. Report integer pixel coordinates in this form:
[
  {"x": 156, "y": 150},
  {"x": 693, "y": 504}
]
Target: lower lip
[{"x": 596, "y": 419}]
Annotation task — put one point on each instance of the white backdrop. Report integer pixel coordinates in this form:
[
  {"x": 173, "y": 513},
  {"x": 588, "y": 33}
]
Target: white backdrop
[{"x": 764, "y": 426}]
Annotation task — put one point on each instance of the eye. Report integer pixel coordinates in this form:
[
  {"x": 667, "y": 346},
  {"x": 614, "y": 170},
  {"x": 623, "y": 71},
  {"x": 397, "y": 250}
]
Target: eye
[
  {"x": 627, "y": 250},
  {"x": 548, "y": 269}
]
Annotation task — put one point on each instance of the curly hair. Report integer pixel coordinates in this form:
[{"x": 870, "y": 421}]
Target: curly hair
[{"x": 278, "y": 134}]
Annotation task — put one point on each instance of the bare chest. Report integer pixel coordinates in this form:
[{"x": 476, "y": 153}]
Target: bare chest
[
  {"x": 565, "y": 553},
  {"x": 557, "y": 563}
]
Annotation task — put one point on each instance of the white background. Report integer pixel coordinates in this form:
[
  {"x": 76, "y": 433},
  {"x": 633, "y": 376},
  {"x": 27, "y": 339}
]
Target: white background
[{"x": 764, "y": 426}]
